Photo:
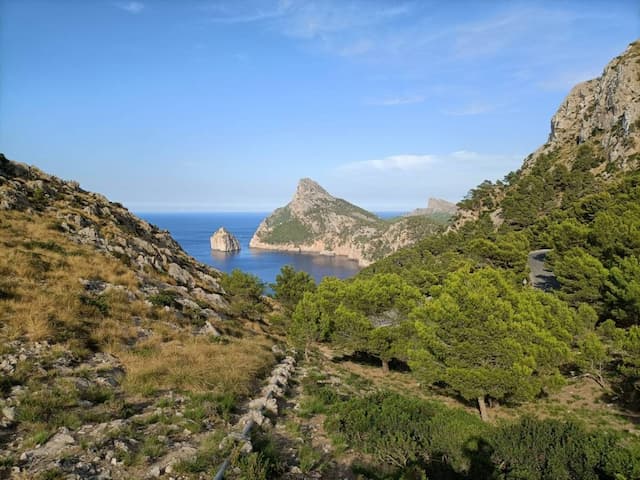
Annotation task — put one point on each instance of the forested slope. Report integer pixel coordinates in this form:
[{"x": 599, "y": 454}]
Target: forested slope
[{"x": 458, "y": 310}]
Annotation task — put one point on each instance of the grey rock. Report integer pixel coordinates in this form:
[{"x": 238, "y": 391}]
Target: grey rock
[
  {"x": 9, "y": 413},
  {"x": 224, "y": 241},
  {"x": 180, "y": 275}
]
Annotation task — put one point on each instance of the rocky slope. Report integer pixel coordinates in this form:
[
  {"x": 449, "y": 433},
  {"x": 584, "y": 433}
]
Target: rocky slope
[
  {"x": 224, "y": 241},
  {"x": 119, "y": 355},
  {"x": 595, "y": 135},
  {"x": 316, "y": 222}
]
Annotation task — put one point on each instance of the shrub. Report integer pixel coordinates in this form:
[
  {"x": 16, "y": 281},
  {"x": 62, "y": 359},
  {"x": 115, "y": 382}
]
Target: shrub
[
  {"x": 166, "y": 298},
  {"x": 540, "y": 449}
]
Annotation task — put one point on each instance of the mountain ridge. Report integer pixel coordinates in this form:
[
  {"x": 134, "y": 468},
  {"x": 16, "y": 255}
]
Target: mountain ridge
[{"x": 316, "y": 222}]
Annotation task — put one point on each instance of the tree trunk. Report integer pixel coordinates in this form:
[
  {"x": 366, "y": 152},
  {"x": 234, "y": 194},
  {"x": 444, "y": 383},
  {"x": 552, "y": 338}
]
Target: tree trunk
[
  {"x": 483, "y": 409},
  {"x": 385, "y": 366}
]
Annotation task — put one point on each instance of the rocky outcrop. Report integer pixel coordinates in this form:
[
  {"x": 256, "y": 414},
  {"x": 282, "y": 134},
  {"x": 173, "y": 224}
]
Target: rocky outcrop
[
  {"x": 606, "y": 108},
  {"x": 435, "y": 206},
  {"x": 224, "y": 241},
  {"x": 108, "y": 295},
  {"x": 316, "y": 222},
  {"x": 601, "y": 116},
  {"x": 90, "y": 219}
]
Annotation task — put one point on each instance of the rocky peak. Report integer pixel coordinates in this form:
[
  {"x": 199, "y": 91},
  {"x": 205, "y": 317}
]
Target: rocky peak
[
  {"x": 606, "y": 109},
  {"x": 224, "y": 241},
  {"x": 310, "y": 189}
]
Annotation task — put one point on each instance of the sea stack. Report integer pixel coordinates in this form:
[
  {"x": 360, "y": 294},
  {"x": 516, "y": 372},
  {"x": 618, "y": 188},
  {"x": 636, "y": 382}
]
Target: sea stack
[{"x": 224, "y": 241}]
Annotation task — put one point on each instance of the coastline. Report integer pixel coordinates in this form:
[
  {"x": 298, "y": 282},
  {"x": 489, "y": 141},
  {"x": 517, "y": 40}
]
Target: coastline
[{"x": 310, "y": 249}]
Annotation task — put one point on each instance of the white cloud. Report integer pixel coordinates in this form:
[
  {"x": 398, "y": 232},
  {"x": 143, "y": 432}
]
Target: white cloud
[
  {"x": 416, "y": 163},
  {"x": 394, "y": 101},
  {"x": 131, "y": 7},
  {"x": 401, "y": 163}
]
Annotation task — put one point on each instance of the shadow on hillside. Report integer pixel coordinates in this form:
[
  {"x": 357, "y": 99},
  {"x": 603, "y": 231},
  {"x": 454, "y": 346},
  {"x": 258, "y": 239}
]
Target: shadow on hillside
[
  {"x": 364, "y": 358},
  {"x": 478, "y": 460}
]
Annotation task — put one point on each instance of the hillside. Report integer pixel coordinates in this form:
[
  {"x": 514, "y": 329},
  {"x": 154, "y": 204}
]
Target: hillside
[
  {"x": 594, "y": 141},
  {"x": 316, "y": 222},
  {"x": 120, "y": 355},
  {"x": 466, "y": 321}
]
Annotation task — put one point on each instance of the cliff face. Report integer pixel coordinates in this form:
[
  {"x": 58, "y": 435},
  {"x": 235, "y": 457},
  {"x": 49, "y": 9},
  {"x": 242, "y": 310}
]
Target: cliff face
[
  {"x": 595, "y": 136},
  {"x": 224, "y": 241},
  {"x": 316, "y": 222},
  {"x": 606, "y": 109}
]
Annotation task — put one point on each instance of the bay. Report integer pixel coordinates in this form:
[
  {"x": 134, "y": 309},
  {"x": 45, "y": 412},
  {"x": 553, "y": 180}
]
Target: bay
[{"x": 192, "y": 232}]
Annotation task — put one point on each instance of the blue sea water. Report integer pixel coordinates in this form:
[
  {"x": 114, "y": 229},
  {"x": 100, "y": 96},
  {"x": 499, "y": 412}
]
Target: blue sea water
[{"x": 192, "y": 232}]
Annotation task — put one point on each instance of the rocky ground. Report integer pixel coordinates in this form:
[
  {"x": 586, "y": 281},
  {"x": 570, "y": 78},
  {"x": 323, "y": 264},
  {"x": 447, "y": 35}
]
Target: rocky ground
[{"x": 119, "y": 355}]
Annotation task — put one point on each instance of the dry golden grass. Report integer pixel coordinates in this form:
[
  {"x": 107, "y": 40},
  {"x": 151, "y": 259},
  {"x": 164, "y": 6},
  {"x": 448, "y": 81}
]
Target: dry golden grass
[
  {"x": 40, "y": 289},
  {"x": 42, "y": 298},
  {"x": 197, "y": 364}
]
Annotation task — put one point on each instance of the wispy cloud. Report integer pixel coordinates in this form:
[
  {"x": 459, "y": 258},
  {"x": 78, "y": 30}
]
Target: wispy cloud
[
  {"x": 395, "y": 101},
  {"x": 473, "y": 108},
  {"x": 131, "y": 7},
  {"x": 306, "y": 19},
  {"x": 411, "y": 163},
  {"x": 246, "y": 12},
  {"x": 401, "y": 163}
]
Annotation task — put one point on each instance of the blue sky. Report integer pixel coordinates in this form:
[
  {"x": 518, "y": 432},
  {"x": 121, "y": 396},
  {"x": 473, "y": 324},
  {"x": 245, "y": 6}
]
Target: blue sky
[{"x": 224, "y": 105}]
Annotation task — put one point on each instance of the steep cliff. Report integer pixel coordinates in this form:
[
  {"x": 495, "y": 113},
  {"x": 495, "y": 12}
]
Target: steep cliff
[
  {"x": 316, "y": 222},
  {"x": 594, "y": 138}
]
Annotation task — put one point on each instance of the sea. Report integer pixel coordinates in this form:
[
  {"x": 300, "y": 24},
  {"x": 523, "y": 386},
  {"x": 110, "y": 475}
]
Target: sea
[{"x": 192, "y": 232}]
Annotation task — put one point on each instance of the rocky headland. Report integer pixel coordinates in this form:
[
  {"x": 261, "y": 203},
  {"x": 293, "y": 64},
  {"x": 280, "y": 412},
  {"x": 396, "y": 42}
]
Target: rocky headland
[{"x": 316, "y": 222}]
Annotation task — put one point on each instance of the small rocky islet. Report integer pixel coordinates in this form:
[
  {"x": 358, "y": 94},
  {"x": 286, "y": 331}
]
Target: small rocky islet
[{"x": 224, "y": 241}]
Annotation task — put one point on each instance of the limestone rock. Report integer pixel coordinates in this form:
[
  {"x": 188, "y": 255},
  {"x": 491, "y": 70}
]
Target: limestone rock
[
  {"x": 607, "y": 106},
  {"x": 224, "y": 241},
  {"x": 603, "y": 113},
  {"x": 180, "y": 275},
  {"x": 316, "y": 222}
]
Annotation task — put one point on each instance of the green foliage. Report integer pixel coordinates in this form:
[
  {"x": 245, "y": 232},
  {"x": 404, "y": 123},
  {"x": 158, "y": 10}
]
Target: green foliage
[
  {"x": 623, "y": 291},
  {"x": 542, "y": 449},
  {"x": 347, "y": 313},
  {"x": 165, "y": 298},
  {"x": 290, "y": 286},
  {"x": 285, "y": 228},
  {"x": 480, "y": 197},
  {"x": 629, "y": 344},
  {"x": 246, "y": 292},
  {"x": 582, "y": 277},
  {"x": 99, "y": 303},
  {"x": 482, "y": 336},
  {"x": 400, "y": 431},
  {"x": 306, "y": 324}
]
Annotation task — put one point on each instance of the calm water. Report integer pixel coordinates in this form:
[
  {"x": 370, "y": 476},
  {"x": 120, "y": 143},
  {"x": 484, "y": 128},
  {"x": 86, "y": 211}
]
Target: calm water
[{"x": 192, "y": 231}]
